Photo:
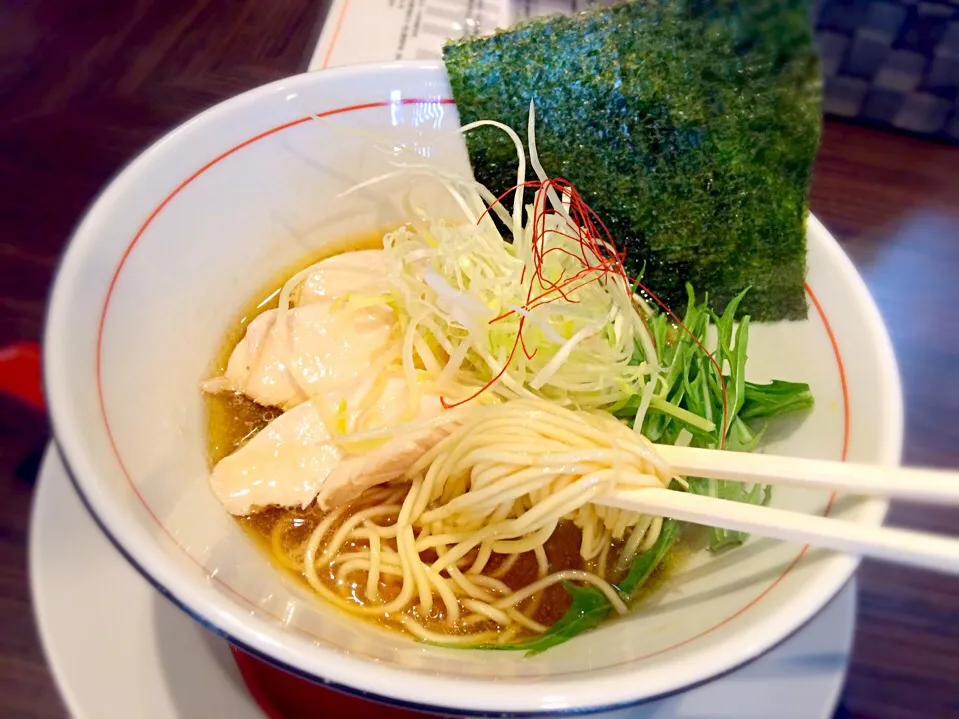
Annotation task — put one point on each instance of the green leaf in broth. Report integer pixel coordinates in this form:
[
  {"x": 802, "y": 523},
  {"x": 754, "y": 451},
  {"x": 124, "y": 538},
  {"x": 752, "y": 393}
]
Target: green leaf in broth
[{"x": 645, "y": 563}]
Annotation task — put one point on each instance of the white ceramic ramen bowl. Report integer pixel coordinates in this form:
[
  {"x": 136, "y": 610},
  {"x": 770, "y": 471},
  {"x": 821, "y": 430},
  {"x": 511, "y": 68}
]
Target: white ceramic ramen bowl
[{"x": 180, "y": 241}]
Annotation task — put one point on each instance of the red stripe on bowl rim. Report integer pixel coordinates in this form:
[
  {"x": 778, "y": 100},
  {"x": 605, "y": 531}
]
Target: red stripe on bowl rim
[{"x": 339, "y": 111}]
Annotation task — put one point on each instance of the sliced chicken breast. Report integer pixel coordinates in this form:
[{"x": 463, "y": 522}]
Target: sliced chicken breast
[
  {"x": 355, "y": 474},
  {"x": 291, "y": 461},
  {"x": 321, "y": 347},
  {"x": 362, "y": 271},
  {"x": 284, "y": 465}
]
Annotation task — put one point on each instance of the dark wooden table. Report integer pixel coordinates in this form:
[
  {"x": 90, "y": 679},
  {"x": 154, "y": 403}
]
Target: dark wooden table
[{"x": 86, "y": 85}]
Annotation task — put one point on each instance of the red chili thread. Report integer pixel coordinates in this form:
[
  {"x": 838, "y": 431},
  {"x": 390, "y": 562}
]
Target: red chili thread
[{"x": 600, "y": 257}]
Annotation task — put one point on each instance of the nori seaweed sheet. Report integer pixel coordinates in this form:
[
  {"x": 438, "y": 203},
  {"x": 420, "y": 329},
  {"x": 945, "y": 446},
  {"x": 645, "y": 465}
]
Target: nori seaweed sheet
[{"x": 690, "y": 126}]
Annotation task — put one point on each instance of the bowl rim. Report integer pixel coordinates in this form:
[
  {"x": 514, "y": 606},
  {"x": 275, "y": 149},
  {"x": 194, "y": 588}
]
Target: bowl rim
[{"x": 406, "y": 684}]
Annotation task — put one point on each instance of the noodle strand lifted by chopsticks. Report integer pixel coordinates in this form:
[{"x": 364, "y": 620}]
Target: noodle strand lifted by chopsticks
[{"x": 490, "y": 492}]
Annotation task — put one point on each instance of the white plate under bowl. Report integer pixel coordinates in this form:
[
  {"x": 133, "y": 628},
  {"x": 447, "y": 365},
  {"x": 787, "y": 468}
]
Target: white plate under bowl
[
  {"x": 153, "y": 662},
  {"x": 177, "y": 243}
]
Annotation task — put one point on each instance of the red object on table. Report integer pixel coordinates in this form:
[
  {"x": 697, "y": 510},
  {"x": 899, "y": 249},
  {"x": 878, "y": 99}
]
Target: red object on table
[
  {"x": 282, "y": 695},
  {"x": 20, "y": 374},
  {"x": 279, "y": 694}
]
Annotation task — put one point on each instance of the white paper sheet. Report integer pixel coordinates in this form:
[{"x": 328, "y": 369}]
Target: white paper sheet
[{"x": 381, "y": 30}]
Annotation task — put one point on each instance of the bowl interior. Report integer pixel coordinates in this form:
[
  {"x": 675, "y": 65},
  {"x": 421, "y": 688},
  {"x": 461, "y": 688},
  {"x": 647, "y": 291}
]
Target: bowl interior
[{"x": 182, "y": 240}]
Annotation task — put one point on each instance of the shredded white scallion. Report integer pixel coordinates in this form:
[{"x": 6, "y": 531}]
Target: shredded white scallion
[{"x": 466, "y": 292}]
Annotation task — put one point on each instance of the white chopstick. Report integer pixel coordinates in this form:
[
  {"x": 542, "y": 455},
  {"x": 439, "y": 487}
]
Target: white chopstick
[
  {"x": 905, "y": 483},
  {"x": 894, "y": 545}
]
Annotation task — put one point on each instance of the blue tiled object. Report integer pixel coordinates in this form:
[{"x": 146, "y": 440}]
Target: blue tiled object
[
  {"x": 943, "y": 77},
  {"x": 864, "y": 58},
  {"x": 948, "y": 45},
  {"x": 892, "y": 62},
  {"x": 923, "y": 113},
  {"x": 882, "y": 105},
  {"x": 884, "y": 20}
]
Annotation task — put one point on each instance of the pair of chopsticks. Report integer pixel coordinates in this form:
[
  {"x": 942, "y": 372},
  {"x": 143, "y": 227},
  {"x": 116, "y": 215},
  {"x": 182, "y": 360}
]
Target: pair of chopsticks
[{"x": 893, "y": 545}]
